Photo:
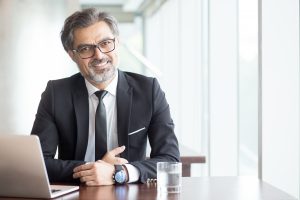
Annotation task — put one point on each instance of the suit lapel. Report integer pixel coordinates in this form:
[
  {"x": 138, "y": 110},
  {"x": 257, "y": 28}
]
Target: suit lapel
[
  {"x": 124, "y": 103},
  {"x": 81, "y": 107}
]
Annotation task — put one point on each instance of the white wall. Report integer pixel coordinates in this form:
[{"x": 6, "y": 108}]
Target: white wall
[
  {"x": 173, "y": 44},
  {"x": 248, "y": 88},
  {"x": 223, "y": 88},
  {"x": 31, "y": 53},
  {"x": 195, "y": 44},
  {"x": 280, "y": 94}
]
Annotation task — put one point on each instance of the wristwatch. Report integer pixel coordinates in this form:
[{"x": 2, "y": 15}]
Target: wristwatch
[{"x": 119, "y": 176}]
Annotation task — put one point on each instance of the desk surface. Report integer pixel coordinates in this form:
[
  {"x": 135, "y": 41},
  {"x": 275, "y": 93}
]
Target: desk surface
[{"x": 208, "y": 188}]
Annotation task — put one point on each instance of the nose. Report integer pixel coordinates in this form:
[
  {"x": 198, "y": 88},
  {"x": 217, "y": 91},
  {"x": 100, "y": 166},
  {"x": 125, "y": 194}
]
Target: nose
[{"x": 98, "y": 53}]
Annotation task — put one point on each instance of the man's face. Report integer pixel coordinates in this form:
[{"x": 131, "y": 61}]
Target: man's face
[{"x": 101, "y": 67}]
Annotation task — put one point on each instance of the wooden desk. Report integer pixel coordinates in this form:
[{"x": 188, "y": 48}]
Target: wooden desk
[{"x": 206, "y": 188}]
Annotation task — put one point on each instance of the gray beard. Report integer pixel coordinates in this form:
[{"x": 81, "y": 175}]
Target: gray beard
[{"x": 105, "y": 75}]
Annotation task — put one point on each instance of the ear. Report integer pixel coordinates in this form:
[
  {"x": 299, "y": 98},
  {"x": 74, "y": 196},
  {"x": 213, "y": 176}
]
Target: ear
[{"x": 72, "y": 55}]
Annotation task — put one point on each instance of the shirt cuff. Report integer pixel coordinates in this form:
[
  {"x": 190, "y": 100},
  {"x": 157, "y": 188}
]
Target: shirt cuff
[{"x": 133, "y": 173}]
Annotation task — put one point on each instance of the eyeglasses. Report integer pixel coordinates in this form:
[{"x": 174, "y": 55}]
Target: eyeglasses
[{"x": 88, "y": 51}]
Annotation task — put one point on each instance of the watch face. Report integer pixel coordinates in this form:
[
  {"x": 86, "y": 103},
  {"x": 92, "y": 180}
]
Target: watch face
[{"x": 120, "y": 177}]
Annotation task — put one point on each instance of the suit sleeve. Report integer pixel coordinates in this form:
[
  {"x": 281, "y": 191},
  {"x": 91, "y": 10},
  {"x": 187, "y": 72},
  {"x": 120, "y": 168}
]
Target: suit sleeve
[
  {"x": 46, "y": 129},
  {"x": 162, "y": 139}
]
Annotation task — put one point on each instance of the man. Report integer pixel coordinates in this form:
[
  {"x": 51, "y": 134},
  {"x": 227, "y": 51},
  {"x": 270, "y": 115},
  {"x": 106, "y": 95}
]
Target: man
[{"x": 133, "y": 106}]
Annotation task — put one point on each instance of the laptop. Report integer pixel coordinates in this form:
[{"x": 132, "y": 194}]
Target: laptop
[{"x": 23, "y": 171}]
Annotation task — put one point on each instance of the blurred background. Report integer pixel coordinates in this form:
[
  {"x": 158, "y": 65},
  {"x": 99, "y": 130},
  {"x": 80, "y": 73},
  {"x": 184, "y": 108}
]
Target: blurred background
[{"x": 229, "y": 68}]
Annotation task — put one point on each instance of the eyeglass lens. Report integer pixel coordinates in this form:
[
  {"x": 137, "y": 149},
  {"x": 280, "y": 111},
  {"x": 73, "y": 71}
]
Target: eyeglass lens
[{"x": 88, "y": 51}]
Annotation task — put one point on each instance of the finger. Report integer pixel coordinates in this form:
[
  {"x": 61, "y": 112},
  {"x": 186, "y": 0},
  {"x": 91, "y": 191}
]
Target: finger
[
  {"x": 83, "y": 173},
  {"x": 85, "y": 166},
  {"x": 118, "y": 150},
  {"x": 99, "y": 161},
  {"x": 90, "y": 183},
  {"x": 120, "y": 160},
  {"x": 87, "y": 179}
]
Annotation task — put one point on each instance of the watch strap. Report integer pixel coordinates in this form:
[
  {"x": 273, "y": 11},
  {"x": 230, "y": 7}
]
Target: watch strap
[{"x": 119, "y": 169}]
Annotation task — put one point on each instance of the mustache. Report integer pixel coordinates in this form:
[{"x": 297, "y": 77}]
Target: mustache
[{"x": 99, "y": 61}]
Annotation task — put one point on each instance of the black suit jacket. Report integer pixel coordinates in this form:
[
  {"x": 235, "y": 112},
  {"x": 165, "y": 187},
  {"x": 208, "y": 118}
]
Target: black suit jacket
[{"x": 63, "y": 116}]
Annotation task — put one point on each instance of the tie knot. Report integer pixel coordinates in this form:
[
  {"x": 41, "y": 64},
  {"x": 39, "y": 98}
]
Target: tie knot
[{"x": 100, "y": 94}]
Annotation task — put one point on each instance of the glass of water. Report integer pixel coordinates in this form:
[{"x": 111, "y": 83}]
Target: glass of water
[{"x": 169, "y": 177}]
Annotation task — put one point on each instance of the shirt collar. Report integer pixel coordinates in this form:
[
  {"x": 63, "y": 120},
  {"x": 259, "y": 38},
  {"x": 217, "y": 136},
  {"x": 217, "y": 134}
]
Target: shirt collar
[{"x": 111, "y": 88}]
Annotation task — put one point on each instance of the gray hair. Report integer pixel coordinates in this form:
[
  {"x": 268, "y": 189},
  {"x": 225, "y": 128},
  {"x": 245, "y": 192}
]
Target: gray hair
[{"x": 83, "y": 19}]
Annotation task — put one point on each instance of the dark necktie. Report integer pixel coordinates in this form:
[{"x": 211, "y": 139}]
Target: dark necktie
[{"x": 100, "y": 127}]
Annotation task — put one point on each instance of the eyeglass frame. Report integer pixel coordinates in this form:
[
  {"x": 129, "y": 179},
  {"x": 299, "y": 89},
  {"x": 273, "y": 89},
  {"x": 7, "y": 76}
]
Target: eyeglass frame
[{"x": 94, "y": 46}]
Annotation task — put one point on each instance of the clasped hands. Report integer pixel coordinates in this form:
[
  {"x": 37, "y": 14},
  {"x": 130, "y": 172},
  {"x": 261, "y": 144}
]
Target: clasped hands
[{"x": 100, "y": 172}]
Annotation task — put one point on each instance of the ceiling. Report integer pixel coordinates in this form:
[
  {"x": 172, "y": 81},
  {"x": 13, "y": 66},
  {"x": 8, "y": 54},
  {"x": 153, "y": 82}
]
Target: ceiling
[
  {"x": 103, "y": 2},
  {"x": 126, "y": 5},
  {"x": 123, "y": 10}
]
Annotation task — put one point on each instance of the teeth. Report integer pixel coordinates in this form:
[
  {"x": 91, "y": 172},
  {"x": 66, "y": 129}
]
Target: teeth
[{"x": 101, "y": 64}]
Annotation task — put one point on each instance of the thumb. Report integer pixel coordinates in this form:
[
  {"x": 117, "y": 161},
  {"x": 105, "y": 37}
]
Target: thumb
[{"x": 117, "y": 150}]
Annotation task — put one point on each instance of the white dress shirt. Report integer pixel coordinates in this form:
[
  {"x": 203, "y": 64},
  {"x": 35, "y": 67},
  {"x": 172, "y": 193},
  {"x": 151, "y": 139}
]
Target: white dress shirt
[{"x": 109, "y": 101}]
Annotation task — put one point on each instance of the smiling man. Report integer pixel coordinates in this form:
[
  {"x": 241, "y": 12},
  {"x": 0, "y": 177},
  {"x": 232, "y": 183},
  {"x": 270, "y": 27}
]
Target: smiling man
[{"x": 100, "y": 118}]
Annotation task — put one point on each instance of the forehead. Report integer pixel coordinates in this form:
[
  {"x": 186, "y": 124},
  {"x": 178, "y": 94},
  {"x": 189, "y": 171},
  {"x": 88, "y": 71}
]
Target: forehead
[{"x": 92, "y": 34}]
